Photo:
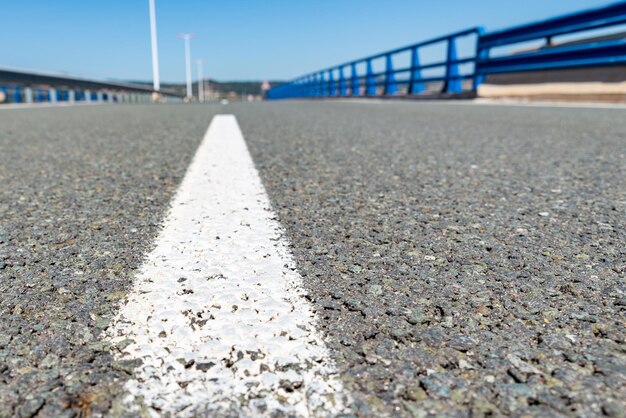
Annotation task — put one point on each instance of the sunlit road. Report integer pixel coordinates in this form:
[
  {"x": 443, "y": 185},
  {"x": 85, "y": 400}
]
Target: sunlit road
[{"x": 459, "y": 259}]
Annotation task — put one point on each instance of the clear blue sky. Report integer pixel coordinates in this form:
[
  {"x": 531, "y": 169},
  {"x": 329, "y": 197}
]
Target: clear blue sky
[{"x": 239, "y": 39}]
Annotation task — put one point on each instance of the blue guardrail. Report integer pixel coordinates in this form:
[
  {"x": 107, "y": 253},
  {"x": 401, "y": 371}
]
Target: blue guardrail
[{"x": 451, "y": 76}]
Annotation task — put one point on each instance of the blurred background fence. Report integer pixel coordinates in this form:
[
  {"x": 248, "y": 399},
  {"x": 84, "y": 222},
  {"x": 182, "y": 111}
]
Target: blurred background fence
[{"x": 20, "y": 86}]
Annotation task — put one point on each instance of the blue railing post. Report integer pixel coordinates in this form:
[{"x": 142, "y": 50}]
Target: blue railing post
[
  {"x": 355, "y": 88},
  {"x": 481, "y": 54},
  {"x": 370, "y": 80},
  {"x": 318, "y": 85},
  {"x": 331, "y": 83},
  {"x": 314, "y": 85},
  {"x": 343, "y": 85},
  {"x": 391, "y": 87},
  {"x": 453, "y": 82},
  {"x": 17, "y": 97},
  {"x": 323, "y": 85},
  {"x": 416, "y": 86}
]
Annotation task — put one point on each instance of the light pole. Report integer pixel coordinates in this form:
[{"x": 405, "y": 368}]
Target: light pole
[
  {"x": 187, "y": 37},
  {"x": 156, "y": 83},
  {"x": 200, "y": 81}
]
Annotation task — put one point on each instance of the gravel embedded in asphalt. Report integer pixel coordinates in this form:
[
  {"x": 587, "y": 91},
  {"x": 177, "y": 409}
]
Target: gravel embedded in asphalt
[
  {"x": 83, "y": 190},
  {"x": 464, "y": 260}
]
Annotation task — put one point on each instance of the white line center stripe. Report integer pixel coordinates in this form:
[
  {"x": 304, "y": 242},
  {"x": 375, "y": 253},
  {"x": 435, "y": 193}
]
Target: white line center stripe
[{"x": 217, "y": 315}]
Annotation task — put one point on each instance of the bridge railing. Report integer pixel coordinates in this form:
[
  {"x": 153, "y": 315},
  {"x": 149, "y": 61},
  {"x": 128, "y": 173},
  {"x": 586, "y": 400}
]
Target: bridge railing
[
  {"x": 15, "y": 93},
  {"x": 580, "y": 53},
  {"x": 24, "y": 86},
  {"x": 346, "y": 81}
]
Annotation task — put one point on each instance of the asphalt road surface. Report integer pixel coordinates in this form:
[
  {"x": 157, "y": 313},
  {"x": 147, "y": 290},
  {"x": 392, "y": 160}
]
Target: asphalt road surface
[{"x": 461, "y": 260}]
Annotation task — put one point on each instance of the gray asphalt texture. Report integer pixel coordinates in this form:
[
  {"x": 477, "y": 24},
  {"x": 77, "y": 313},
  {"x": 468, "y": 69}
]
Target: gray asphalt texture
[
  {"x": 82, "y": 192},
  {"x": 463, "y": 260}
]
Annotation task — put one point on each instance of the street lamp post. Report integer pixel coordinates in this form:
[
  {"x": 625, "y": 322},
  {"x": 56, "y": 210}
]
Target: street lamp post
[
  {"x": 156, "y": 83},
  {"x": 187, "y": 37}
]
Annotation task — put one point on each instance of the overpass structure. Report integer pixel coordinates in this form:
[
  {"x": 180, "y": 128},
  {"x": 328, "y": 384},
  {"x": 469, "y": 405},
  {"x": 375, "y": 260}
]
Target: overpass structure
[
  {"x": 25, "y": 86},
  {"x": 571, "y": 41}
]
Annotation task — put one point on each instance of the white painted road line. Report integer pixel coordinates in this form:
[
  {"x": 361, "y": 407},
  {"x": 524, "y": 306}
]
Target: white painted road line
[{"x": 217, "y": 315}]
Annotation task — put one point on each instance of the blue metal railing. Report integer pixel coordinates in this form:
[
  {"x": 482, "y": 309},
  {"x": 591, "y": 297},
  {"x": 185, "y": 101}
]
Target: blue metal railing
[
  {"x": 388, "y": 82},
  {"x": 24, "y": 86},
  {"x": 409, "y": 80},
  {"x": 16, "y": 93},
  {"x": 578, "y": 54}
]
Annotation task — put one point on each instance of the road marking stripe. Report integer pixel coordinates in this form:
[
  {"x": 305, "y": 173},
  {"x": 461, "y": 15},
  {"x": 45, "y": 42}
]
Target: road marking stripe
[{"x": 217, "y": 314}]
